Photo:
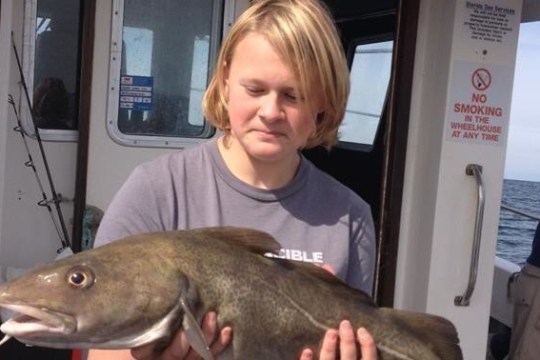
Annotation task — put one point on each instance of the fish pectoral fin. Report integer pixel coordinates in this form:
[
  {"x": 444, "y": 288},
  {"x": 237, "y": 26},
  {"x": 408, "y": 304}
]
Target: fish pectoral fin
[{"x": 194, "y": 332}]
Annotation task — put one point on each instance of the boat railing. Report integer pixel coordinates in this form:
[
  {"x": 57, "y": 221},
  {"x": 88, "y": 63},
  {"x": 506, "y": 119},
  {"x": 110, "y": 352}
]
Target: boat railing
[{"x": 520, "y": 212}]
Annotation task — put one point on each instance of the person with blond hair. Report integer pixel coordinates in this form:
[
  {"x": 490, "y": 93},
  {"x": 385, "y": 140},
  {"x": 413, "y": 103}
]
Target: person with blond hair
[{"x": 280, "y": 85}]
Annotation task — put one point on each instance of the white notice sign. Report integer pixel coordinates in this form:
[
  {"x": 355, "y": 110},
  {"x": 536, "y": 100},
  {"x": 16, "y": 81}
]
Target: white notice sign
[
  {"x": 479, "y": 103},
  {"x": 491, "y": 22}
]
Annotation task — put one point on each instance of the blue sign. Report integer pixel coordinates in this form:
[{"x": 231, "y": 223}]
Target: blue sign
[{"x": 136, "y": 92}]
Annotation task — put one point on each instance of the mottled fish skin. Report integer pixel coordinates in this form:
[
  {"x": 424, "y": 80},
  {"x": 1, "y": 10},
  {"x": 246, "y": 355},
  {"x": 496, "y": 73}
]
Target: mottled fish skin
[{"x": 128, "y": 293}]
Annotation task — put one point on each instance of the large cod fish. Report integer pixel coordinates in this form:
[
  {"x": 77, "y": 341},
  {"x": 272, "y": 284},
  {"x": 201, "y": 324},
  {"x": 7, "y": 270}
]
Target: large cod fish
[{"x": 144, "y": 287}]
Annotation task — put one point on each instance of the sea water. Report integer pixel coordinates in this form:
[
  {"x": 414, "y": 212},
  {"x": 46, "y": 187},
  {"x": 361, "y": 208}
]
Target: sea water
[{"x": 516, "y": 231}]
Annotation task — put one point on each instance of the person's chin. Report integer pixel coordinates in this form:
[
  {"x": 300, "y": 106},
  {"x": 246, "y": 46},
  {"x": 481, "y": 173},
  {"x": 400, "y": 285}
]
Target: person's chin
[{"x": 267, "y": 151}]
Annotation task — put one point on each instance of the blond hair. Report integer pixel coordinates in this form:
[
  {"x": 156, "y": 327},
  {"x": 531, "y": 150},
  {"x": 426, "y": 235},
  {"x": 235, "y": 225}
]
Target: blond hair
[{"x": 303, "y": 33}]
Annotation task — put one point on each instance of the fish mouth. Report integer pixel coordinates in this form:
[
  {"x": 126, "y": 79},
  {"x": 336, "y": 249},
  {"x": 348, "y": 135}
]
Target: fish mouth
[{"x": 30, "y": 322}]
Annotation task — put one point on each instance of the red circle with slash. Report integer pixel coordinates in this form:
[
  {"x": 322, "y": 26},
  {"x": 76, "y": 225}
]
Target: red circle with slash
[{"x": 481, "y": 79}]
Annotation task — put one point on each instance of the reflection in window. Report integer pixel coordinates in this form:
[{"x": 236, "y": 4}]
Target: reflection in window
[
  {"x": 370, "y": 76},
  {"x": 139, "y": 54},
  {"x": 56, "y": 64},
  {"x": 163, "y": 70},
  {"x": 136, "y": 98}
]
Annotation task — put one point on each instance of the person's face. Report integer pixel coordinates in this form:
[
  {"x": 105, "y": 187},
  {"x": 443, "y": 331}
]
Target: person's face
[{"x": 267, "y": 116}]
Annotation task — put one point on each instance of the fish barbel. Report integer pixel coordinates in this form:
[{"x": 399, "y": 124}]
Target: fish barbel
[{"x": 145, "y": 287}]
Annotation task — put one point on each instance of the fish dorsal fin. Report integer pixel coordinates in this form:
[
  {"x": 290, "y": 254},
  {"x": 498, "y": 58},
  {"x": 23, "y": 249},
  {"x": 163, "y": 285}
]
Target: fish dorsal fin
[
  {"x": 327, "y": 277},
  {"x": 438, "y": 332},
  {"x": 256, "y": 241}
]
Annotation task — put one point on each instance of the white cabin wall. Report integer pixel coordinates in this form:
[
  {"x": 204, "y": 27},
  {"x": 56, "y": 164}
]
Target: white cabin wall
[
  {"x": 27, "y": 233},
  {"x": 5, "y": 28},
  {"x": 109, "y": 163},
  {"x": 439, "y": 199},
  {"x": 422, "y": 167}
]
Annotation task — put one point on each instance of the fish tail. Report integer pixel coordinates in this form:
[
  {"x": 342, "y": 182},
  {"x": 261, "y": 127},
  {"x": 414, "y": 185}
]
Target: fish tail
[{"x": 439, "y": 334}]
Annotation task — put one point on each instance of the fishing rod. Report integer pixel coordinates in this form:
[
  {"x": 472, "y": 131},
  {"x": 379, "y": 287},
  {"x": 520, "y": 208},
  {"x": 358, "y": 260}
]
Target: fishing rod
[
  {"x": 30, "y": 163},
  {"x": 61, "y": 225}
]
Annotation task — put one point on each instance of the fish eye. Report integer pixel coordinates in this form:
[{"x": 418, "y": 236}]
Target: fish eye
[{"x": 80, "y": 277}]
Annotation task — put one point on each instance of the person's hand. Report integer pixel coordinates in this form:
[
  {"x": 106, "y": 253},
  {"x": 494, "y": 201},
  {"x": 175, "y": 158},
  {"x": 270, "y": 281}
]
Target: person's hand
[
  {"x": 179, "y": 348},
  {"x": 328, "y": 268},
  {"x": 347, "y": 344}
]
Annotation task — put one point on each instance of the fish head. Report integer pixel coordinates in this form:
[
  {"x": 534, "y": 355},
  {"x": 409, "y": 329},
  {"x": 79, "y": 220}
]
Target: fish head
[{"x": 102, "y": 298}]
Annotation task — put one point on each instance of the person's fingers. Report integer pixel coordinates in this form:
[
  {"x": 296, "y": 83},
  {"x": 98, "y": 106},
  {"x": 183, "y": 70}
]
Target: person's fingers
[
  {"x": 192, "y": 355},
  {"x": 347, "y": 341},
  {"x": 367, "y": 344},
  {"x": 328, "y": 268},
  {"x": 209, "y": 329},
  {"x": 329, "y": 345},
  {"x": 143, "y": 352},
  {"x": 176, "y": 350},
  {"x": 223, "y": 340},
  {"x": 306, "y": 354},
  {"x": 180, "y": 349}
]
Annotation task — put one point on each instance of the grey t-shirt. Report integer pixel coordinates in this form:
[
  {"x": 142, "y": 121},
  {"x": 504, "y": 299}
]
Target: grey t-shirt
[{"x": 314, "y": 217}]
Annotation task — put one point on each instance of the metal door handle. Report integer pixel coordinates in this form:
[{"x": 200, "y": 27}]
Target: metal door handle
[{"x": 476, "y": 171}]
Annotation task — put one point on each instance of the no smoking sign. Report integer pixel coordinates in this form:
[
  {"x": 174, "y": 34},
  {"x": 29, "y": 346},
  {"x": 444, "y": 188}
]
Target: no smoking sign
[{"x": 481, "y": 79}]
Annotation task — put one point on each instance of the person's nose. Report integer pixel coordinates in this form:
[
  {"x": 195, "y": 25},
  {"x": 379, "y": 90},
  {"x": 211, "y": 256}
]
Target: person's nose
[{"x": 270, "y": 107}]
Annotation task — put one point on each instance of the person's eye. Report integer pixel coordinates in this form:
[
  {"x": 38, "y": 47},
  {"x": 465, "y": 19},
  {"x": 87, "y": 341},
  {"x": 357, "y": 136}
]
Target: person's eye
[
  {"x": 291, "y": 97},
  {"x": 254, "y": 90}
]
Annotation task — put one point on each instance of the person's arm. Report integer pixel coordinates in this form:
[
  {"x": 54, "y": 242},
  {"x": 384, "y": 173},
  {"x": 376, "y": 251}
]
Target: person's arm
[
  {"x": 362, "y": 251},
  {"x": 109, "y": 355}
]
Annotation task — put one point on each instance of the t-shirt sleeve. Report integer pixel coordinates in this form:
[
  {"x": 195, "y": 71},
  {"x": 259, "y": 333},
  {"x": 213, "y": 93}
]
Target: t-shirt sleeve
[
  {"x": 362, "y": 254},
  {"x": 134, "y": 209}
]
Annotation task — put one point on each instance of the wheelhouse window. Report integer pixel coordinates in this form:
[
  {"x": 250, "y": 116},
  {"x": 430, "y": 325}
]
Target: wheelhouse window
[
  {"x": 52, "y": 66},
  {"x": 370, "y": 77},
  {"x": 160, "y": 65}
]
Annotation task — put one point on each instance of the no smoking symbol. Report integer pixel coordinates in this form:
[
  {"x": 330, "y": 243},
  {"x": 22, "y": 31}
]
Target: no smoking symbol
[{"x": 481, "y": 79}]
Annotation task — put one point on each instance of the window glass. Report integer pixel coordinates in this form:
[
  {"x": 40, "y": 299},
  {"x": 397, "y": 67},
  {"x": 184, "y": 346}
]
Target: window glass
[
  {"x": 163, "y": 70},
  {"x": 370, "y": 76},
  {"x": 52, "y": 61}
]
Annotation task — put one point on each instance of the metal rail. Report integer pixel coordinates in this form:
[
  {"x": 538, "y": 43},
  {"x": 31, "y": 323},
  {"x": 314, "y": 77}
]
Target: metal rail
[
  {"x": 520, "y": 212},
  {"x": 476, "y": 171}
]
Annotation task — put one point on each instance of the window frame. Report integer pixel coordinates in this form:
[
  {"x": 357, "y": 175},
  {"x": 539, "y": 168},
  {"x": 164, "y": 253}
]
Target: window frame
[
  {"x": 224, "y": 15},
  {"x": 28, "y": 66},
  {"x": 351, "y": 50}
]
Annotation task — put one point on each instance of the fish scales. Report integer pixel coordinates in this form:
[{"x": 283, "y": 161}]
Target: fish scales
[{"x": 141, "y": 289}]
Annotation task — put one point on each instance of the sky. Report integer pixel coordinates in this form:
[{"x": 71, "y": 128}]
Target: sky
[{"x": 523, "y": 152}]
